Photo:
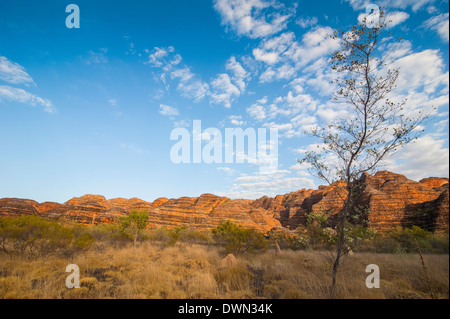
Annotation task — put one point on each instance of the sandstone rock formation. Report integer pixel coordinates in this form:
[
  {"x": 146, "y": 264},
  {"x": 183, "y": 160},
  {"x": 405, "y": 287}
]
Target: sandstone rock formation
[
  {"x": 395, "y": 200},
  {"x": 204, "y": 212},
  {"x": 391, "y": 199}
]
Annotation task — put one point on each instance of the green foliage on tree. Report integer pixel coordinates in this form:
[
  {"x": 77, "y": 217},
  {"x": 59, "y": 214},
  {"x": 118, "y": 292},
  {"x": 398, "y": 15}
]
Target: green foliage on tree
[
  {"x": 134, "y": 223},
  {"x": 237, "y": 239}
]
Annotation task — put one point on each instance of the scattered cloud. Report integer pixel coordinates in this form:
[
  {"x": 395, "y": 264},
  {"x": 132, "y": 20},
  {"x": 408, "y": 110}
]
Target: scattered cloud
[
  {"x": 256, "y": 185},
  {"x": 423, "y": 71},
  {"x": 239, "y": 75},
  {"x": 254, "y": 18},
  {"x": 11, "y": 94},
  {"x": 172, "y": 68},
  {"x": 237, "y": 120},
  {"x": 427, "y": 153},
  {"x": 301, "y": 63},
  {"x": 98, "y": 57},
  {"x": 167, "y": 110},
  {"x": 391, "y": 19},
  {"x": 223, "y": 89},
  {"x": 283, "y": 56},
  {"x": 307, "y": 22},
  {"x": 112, "y": 102},
  {"x": 13, "y": 73},
  {"x": 440, "y": 24},
  {"x": 396, "y": 18},
  {"x": 396, "y": 4},
  {"x": 229, "y": 171}
]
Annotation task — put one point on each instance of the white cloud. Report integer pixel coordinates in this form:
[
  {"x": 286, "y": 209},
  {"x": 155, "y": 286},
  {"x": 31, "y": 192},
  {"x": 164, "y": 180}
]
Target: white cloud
[
  {"x": 395, "y": 18},
  {"x": 292, "y": 104},
  {"x": 97, "y": 57},
  {"x": 397, "y": 4},
  {"x": 13, "y": 73},
  {"x": 195, "y": 89},
  {"x": 257, "y": 112},
  {"x": 293, "y": 111},
  {"x": 283, "y": 56},
  {"x": 223, "y": 91},
  {"x": 426, "y": 157},
  {"x": 167, "y": 110},
  {"x": 307, "y": 22},
  {"x": 170, "y": 63},
  {"x": 184, "y": 74},
  {"x": 253, "y": 18},
  {"x": 155, "y": 59},
  {"x": 237, "y": 120},
  {"x": 229, "y": 171},
  {"x": 240, "y": 75},
  {"x": 397, "y": 50},
  {"x": 439, "y": 24},
  {"x": 255, "y": 186},
  {"x": 225, "y": 88},
  {"x": 270, "y": 50},
  {"x": 423, "y": 70},
  {"x": 11, "y": 94},
  {"x": 182, "y": 123},
  {"x": 391, "y": 19}
]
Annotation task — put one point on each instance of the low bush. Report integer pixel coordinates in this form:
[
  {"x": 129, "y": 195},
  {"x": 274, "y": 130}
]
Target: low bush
[
  {"x": 401, "y": 240},
  {"x": 109, "y": 233},
  {"x": 32, "y": 236},
  {"x": 238, "y": 239},
  {"x": 163, "y": 235},
  {"x": 294, "y": 241},
  {"x": 83, "y": 239}
]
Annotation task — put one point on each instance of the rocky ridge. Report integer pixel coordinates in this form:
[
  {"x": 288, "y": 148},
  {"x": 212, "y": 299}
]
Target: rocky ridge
[{"x": 392, "y": 200}]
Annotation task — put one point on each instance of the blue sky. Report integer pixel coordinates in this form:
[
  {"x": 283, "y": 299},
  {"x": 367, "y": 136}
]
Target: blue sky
[{"x": 90, "y": 110}]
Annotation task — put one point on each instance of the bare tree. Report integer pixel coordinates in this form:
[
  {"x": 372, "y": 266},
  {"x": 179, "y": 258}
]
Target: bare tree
[{"x": 374, "y": 128}]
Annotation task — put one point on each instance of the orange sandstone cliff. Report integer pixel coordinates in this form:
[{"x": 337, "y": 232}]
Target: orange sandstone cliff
[{"x": 390, "y": 199}]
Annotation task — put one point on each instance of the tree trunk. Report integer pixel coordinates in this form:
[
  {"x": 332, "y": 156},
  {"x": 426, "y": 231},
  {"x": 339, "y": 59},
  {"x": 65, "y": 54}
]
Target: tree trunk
[{"x": 341, "y": 239}]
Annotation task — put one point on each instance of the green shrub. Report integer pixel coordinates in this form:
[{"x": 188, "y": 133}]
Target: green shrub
[
  {"x": 83, "y": 239},
  {"x": 170, "y": 237},
  {"x": 238, "y": 239},
  {"x": 401, "y": 240},
  {"x": 163, "y": 235},
  {"x": 32, "y": 236},
  {"x": 192, "y": 236},
  {"x": 294, "y": 240},
  {"x": 108, "y": 233}
]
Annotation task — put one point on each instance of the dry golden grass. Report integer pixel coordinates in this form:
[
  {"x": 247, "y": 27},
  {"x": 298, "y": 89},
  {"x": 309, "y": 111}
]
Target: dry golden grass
[{"x": 195, "y": 271}]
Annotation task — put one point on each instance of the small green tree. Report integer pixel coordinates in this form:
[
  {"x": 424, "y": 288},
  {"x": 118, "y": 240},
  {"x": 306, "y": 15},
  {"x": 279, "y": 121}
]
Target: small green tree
[{"x": 134, "y": 223}]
